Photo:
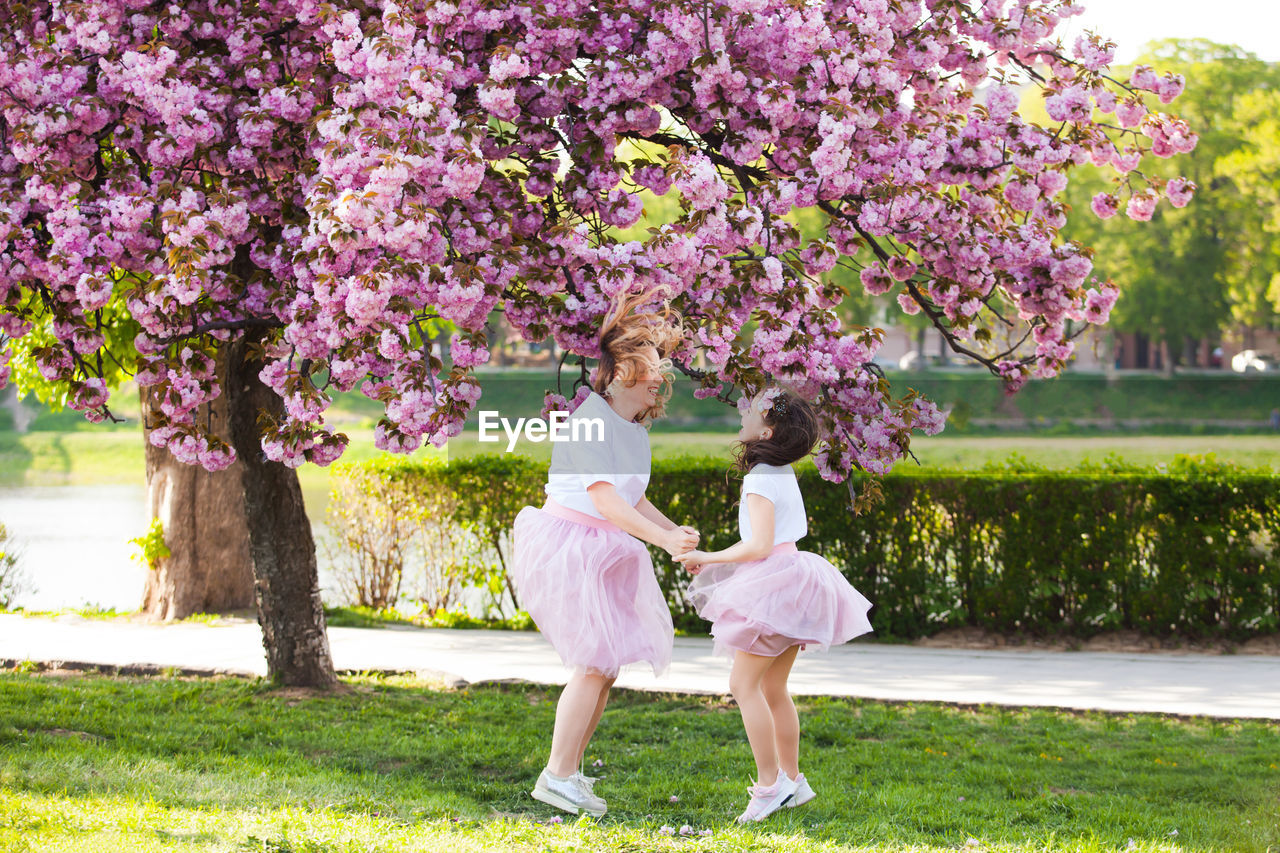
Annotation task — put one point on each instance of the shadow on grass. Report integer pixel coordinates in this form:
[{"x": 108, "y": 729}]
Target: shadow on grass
[{"x": 394, "y": 753}]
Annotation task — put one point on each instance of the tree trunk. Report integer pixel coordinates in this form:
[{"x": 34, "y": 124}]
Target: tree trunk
[
  {"x": 1166, "y": 355},
  {"x": 1108, "y": 346},
  {"x": 22, "y": 416},
  {"x": 280, "y": 542},
  {"x": 202, "y": 512},
  {"x": 1190, "y": 352}
]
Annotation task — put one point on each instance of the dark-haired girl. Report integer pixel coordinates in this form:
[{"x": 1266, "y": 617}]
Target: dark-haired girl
[{"x": 766, "y": 599}]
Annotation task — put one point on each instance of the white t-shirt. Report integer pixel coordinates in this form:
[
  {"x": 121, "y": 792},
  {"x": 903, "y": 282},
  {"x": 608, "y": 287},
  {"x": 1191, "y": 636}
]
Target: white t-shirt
[
  {"x": 778, "y": 484},
  {"x": 604, "y": 448}
]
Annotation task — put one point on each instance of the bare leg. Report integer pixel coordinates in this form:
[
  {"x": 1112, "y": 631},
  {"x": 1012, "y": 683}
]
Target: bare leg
[
  {"x": 595, "y": 720},
  {"x": 574, "y": 714},
  {"x": 745, "y": 684},
  {"x": 786, "y": 722}
]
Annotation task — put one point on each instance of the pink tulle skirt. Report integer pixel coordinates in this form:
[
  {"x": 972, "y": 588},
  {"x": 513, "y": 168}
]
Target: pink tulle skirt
[
  {"x": 591, "y": 590},
  {"x": 789, "y": 598}
]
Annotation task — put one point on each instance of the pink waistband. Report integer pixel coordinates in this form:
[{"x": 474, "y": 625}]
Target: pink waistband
[
  {"x": 783, "y": 548},
  {"x": 562, "y": 511}
]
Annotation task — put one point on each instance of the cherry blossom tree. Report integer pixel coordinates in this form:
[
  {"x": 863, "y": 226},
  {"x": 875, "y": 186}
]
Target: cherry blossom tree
[{"x": 299, "y": 187}]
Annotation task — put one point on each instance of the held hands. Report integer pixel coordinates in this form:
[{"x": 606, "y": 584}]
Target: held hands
[
  {"x": 692, "y": 560},
  {"x": 680, "y": 539}
]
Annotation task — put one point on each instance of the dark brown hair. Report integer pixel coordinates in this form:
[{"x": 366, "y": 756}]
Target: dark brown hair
[
  {"x": 795, "y": 432},
  {"x": 625, "y": 331}
]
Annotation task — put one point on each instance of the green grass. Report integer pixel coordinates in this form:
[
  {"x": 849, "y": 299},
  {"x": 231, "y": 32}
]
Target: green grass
[
  {"x": 92, "y": 763},
  {"x": 1142, "y": 396},
  {"x": 99, "y": 614},
  {"x": 369, "y": 617},
  {"x": 943, "y": 451},
  {"x": 80, "y": 457},
  {"x": 86, "y": 457},
  {"x": 365, "y": 617},
  {"x": 96, "y": 613},
  {"x": 972, "y": 393}
]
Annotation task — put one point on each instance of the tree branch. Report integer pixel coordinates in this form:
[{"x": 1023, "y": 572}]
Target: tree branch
[
  {"x": 218, "y": 325},
  {"x": 937, "y": 318},
  {"x": 753, "y": 172}
]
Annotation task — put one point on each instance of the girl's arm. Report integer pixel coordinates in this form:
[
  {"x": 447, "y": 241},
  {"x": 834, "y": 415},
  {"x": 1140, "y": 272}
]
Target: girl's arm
[
  {"x": 632, "y": 520},
  {"x": 655, "y": 515},
  {"x": 759, "y": 546}
]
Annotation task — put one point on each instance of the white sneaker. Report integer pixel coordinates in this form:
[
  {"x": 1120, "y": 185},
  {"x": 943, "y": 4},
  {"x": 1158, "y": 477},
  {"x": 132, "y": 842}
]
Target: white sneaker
[
  {"x": 766, "y": 801},
  {"x": 804, "y": 793},
  {"x": 567, "y": 794},
  {"x": 588, "y": 782}
]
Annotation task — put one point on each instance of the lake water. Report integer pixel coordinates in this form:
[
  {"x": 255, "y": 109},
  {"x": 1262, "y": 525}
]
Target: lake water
[{"x": 73, "y": 544}]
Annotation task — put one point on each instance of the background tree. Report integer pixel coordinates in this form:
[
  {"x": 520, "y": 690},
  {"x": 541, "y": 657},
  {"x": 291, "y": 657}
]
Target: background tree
[
  {"x": 1253, "y": 168},
  {"x": 294, "y": 187},
  {"x": 1187, "y": 272}
]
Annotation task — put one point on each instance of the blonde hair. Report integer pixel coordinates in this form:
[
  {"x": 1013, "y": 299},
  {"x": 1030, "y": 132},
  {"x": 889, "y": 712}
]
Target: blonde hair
[{"x": 625, "y": 331}]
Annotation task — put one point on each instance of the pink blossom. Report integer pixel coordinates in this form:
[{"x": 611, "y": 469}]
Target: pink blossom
[
  {"x": 1002, "y": 101},
  {"x": 1071, "y": 270},
  {"x": 1013, "y": 373},
  {"x": 93, "y": 291},
  {"x": 1170, "y": 87},
  {"x": 1021, "y": 194},
  {"x": 502, "y": 69},
  {"x": 772, "y": 281},
  {"x": 1051, "y": 183},
  {"x": 466, "y": 353},
  {"x": 1094, "y": 53},
  {"x": 326, "y": 453},
  {"x": 1141, "y": 206},
  {"x": 700, "y": 183},
  {"x": 622, "y": 209},
  {"x": 365, "y": 303},
  {"x": 1071, "y": 104},
  {"x": 900, "y": 268},
  {"x": 1098, "y": 303},
  {"x": 1144, "y": 77},
  {"x": 90, "y": 394},
  {"x": 1179, "y": 191},
  {"x": 1105, "y": 205},
  {"x": 1127, "y": 160},
  {"x": 654, "y": 178},
  {"x": 875, "y": 280},
  {"x": 558, "y": 403},
  {"x": 1130, "y": 112}
]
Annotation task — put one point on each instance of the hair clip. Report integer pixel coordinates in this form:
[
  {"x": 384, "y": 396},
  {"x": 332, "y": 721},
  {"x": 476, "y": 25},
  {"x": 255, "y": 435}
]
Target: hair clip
[{"x": 774, "y": 399}]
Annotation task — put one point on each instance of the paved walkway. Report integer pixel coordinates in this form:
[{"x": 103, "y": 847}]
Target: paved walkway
[{"x": 1208, "y": 685}]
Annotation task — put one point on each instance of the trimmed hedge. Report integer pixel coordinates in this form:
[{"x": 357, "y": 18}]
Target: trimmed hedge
[{"x": 1190, "y": 549}]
